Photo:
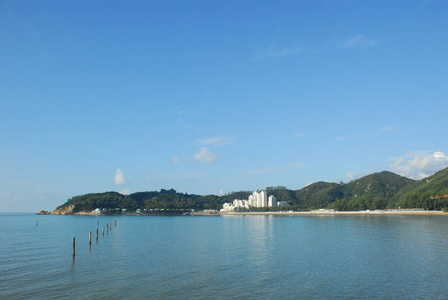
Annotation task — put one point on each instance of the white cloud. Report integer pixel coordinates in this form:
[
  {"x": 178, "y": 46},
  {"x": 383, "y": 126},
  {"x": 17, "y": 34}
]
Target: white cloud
[
  {"x": 205, "y": 155},
  {"x": 125, "y": 191},
  {"x": 349, "y": 176},
  {"x": 119, "y": 178},
  {"x": 175, "y": 159},
  {"x": 359, "y": 41},
  {"x": 215, "y": 141},
  {"x": 419, "y": 165},
  {"x": 273, "y": 52}
]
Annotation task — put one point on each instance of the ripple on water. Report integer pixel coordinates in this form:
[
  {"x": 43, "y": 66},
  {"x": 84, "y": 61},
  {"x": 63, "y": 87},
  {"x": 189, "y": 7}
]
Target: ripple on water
[{"x": 234, "y": 257}]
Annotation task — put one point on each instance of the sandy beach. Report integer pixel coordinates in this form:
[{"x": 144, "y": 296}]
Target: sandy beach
[{"x": 376, "y": 212}]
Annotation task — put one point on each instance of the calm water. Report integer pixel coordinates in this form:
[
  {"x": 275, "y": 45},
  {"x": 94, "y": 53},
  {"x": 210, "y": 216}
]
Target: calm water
[{"x": 261, "y": 257}]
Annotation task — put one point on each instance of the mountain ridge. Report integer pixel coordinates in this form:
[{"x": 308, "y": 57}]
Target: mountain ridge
[{"x": 381, "y": 190}]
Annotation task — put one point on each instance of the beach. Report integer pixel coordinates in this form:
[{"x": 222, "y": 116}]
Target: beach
[{"x": 326, "y": 212}]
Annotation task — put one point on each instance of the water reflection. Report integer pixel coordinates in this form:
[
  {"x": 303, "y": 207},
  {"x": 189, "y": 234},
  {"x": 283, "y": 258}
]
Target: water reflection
[
  {"x": 228, "y": 257},
  {"x": 261, "y": 250}
]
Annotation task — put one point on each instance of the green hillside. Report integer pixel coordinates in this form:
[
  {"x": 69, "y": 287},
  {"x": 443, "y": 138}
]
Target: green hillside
[
  {"x": 428, "y": 193},
  {"x": 375, "y": 191},
  {"x": 318, "y": 195},
  {"x": 164, "y": 199}
]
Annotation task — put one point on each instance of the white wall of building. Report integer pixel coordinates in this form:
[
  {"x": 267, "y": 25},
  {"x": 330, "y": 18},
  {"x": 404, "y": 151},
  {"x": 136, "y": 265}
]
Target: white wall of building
[
  {"x": 263, "y": 198},
  {"x": 255, "y": 200}
]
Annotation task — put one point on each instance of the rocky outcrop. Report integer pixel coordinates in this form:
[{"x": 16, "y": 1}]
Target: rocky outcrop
[{"x": 68, "y": 210}]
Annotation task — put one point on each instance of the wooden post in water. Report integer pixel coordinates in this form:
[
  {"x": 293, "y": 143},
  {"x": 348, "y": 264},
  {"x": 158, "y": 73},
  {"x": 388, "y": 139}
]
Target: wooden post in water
[
  {"x": 107, "y": 228},
  {"x": 115, "y": 222},
  {"x": 90, "y": 238},
  {"x": 97, "y": 223},
  {"x": 97, "y": 235},
  {"x": 103, "y": 231},
  {"x": 37, "y": 223},
  {"x": 74, "y": 247}
]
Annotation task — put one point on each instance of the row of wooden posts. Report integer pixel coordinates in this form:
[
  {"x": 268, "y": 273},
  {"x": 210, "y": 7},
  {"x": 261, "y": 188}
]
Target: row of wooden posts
[{"x": 108, "y": 227}]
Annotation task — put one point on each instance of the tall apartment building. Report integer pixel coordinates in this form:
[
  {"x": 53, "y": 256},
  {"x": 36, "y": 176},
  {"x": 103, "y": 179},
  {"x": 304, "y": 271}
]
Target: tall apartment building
[
  {"x": 263, "y": 198},
  {"x": 255, "y": 200}
]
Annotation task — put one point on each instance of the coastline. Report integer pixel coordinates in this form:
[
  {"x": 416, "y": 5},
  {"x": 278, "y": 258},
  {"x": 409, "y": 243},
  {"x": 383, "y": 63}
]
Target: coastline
[
  {"x": 317, "y": 213},
  {"x": 285, "y": 213}
]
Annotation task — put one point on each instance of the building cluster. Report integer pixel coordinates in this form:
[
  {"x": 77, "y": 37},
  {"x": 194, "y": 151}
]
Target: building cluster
[{"x": 257, "y": 199}]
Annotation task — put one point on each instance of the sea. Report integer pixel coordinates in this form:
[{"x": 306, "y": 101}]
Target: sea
[{"x": 224, "y": 257}]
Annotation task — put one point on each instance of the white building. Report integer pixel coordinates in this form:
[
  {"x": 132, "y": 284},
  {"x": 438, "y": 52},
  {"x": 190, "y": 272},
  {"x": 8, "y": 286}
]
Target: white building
[
  {"x": 251, "y": 200},
  {"x": 256, "y": 199},
  {"x": 263, "y": 198},
  {"x": 228, "y": 207}
]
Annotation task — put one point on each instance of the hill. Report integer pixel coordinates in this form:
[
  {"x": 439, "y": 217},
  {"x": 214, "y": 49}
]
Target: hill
[
  {"x": 428, "y": 193},
  {"x": 162, "y": 200},
  {"x": 375, "y": 191}
]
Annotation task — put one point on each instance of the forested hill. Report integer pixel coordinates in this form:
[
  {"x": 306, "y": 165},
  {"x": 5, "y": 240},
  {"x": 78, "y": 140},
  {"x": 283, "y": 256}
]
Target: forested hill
[
  {"x": 430, "y": 192},
  {"x": 162, "y": 200},
  {"x": 375, "y": 191}
]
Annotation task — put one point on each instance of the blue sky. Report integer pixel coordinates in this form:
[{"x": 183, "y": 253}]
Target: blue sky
[{"x": 211, "y": 97}]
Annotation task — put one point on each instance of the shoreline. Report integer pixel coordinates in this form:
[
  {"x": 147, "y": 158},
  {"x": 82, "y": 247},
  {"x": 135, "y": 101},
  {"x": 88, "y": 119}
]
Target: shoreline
[
  {"x": 285, "y": 213},
  {"x": 317, "y": 213}
]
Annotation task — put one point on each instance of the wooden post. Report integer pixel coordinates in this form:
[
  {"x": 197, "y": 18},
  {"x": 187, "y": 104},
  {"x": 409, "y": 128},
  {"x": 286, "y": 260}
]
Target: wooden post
[
  {"x": 97, "y": 235},
  {"x": 107, "y": 228},
  {"x": 74, "y": 247},
  {"x": 37, "y": 223},
  {"x": 103, "y": 230},
  {"x": 90, "y": 238},
  {"x": 97, "y": 223},
  {"x": 115, "y": 222}
]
